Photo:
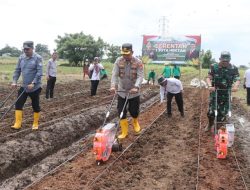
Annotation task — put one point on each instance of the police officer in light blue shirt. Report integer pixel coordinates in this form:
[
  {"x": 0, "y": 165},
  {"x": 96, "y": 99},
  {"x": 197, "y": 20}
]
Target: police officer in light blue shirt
[{"x": 30, "y": 66}]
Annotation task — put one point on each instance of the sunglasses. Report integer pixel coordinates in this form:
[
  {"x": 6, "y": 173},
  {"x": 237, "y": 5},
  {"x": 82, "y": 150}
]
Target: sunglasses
[{"x": 26, "y": 49}]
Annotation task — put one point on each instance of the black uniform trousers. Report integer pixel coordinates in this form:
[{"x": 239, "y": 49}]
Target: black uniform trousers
[
  {"x": 34, "y": 99},
  {"x": 94, "y": 85},
  {"x": 248, "y": 96},
  {"x": 133, "y": 105},
  {"x": 50, "y": 87},
  {"x": 178, "y": 99}
]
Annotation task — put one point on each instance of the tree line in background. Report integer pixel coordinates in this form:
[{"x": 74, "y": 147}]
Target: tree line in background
[
  {"x": 9, "y": 51},
  {"x": 206, "y": 59},
  {"x": 78, "y": 48}
]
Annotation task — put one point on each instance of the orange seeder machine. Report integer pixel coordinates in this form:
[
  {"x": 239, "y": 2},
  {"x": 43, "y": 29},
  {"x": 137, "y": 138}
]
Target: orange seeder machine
[
  {"x": 221, "y": 142},
  {"x": 105, "y": 141}
]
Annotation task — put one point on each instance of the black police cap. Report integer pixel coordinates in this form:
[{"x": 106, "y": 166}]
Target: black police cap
[{"x": 126, "y": 48}]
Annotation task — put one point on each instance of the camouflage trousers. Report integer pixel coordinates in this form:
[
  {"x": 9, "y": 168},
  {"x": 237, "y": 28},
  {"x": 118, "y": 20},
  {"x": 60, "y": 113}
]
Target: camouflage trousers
[{"x": 222, "y": 105}]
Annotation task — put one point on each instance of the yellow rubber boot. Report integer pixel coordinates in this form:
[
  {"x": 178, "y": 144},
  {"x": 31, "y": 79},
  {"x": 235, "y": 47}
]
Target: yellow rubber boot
[
  {"x": 36, "y": 119},
  {"x": 124, "y": 128},
  {"x": 19, "y": 118},
  {"x": 136, "y": 125}
]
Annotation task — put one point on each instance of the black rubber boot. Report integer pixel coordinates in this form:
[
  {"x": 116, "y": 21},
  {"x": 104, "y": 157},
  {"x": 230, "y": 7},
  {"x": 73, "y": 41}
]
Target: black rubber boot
[{"x": 210, "y": 124}]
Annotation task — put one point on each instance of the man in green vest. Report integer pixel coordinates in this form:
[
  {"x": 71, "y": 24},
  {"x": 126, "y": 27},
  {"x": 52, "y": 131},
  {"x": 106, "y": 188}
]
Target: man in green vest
[
  {"x": 223, "y": 77},
  {"x": 167, "y": 71},
  {"x": 176, "y": 72},
  {"x": 151, "y": 75}
]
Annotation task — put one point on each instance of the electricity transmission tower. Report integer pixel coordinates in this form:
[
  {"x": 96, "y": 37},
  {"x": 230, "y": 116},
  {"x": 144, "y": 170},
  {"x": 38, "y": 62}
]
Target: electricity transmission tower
[{"x": 164, "y": 27}]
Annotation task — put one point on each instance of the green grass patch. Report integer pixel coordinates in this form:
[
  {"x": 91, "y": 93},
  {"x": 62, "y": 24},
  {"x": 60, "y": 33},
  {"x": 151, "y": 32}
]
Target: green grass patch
[{"x": 67, "y": 73}]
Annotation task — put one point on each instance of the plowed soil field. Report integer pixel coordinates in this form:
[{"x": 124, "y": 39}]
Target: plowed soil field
[{"x": 169, "y": 153}]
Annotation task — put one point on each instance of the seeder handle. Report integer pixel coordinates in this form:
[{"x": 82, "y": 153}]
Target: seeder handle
[
  {"x": 13, "y": 103},
  {"x": 229, "y": 102},
  {"x": 124, "y": 106},
  {"x": 216, "y": 112},
  {"x": 2, "y": 104},
  {"x": 108, "y": 113},
  {"x": 216, "y": 107},
  {"x": 109, "y": 109}
]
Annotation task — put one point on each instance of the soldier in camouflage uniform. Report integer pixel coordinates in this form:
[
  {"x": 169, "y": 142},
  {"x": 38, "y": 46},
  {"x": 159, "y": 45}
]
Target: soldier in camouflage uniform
[{"x": 223, "y": 77}]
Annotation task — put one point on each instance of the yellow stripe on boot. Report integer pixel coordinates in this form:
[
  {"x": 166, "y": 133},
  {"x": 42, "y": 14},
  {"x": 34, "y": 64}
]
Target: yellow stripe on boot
[
  {"x": 124, "y": 128},
  {"x": 36, "y": 119},
  {"x": 18, "y": 121},
  {"x": 136, "y": 125}
]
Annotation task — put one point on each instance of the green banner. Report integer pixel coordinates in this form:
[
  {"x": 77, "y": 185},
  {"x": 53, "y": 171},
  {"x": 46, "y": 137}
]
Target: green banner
[{"x": 171, "y": 49}]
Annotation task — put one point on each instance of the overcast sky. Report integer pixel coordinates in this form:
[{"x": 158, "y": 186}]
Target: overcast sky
[{"x": 222, "y": 24}]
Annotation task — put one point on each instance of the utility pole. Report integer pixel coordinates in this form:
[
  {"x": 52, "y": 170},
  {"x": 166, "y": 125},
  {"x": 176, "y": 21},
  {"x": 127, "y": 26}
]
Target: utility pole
[{"x": 200, "y": 69}]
